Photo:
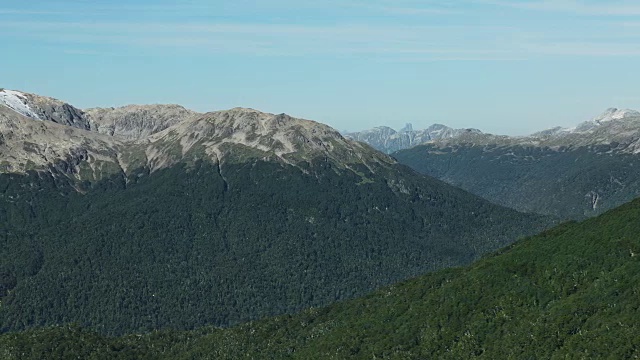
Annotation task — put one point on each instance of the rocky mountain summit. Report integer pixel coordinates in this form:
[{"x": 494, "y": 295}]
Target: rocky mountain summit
[
  {"x": 136, "y": 122},
  {"x": 389, "y": 140}
]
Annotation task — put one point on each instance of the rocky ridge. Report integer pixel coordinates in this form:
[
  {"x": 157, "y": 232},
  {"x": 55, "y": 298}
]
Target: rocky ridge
[
  {"x": 280, "y": 135},
  {"x": 136, "y": 122},
  {"x": 38, "y": 132}
]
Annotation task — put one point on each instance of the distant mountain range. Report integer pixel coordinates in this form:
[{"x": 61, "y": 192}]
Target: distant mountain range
[
  {"x": 569, "y": 173},
  {"x": 387, "y": 140},
  {"x": 146, "y": 217}
]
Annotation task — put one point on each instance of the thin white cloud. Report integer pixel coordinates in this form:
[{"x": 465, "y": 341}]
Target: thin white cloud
[
  {"x": 272, "y": 39},
  {"x": 423, "y": 43},
  {"x": 424, "y": 59},
  {"x": 585, "y": 49},
  {"x": 84, "y": 52},
  {"x": 31, "y": 12},
  {"x": 267, "y": 9},
  {"x": 604, "y": 8},
  {"x": 417, "y": 10}
]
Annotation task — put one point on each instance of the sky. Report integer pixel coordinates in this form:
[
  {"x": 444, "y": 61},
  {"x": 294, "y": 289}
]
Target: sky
[{"x": 503, "y": 66}]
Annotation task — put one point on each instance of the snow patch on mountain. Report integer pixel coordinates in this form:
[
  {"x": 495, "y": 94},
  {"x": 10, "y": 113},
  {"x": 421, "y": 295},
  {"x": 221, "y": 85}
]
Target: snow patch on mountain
[
  {"x": 17, "y": 102},
  {"x": 610, "y": 117},
  {"x": 616, "y": 114}
]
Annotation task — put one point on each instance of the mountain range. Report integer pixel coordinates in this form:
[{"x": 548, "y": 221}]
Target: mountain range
[
  {"x": 98, "y": 142},
  {"x": 127, "y": 220},
  {"x": 387, "y": 140},
  {"x": 569, "y": 173},
  {"x": 599, "y": 130}
]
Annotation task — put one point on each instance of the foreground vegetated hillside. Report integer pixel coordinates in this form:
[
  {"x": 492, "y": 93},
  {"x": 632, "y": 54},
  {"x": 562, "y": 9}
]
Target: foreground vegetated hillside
[{"x": 570, "y": 292}]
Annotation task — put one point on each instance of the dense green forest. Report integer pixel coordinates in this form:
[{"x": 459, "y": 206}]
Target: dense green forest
[
  {"x": 198, "y": 245},
  {"x": 569, "y": 183},
  {"x": 570, "y": 292}
]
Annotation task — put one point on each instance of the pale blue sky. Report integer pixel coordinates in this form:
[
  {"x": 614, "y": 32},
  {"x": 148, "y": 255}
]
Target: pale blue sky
[{"x": 503, "y": 66}]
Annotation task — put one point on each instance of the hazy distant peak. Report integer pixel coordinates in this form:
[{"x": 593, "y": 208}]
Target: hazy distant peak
[
  {"x": 407, "y": 128},
  {"x": 388, "y": 140},
  {"x": 387, "y": 131}
]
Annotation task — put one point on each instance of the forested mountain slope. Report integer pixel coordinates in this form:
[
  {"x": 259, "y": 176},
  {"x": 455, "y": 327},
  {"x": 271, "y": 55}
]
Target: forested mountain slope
[
  {"x": 216, "y": 218},
  {"x": 570, "y": 292}
]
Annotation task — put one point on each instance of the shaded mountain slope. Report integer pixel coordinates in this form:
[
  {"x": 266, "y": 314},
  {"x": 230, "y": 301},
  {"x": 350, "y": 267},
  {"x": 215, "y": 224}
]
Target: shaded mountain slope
[{"x": 185, "y": 247}]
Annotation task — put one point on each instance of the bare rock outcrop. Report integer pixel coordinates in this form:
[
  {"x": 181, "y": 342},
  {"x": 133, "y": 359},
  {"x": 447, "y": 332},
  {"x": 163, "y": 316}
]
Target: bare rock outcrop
[{"x": 136, "y": 122}]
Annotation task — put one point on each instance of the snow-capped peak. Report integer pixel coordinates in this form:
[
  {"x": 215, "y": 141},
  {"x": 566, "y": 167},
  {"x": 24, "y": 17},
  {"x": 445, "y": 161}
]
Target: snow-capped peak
[
  {"x": 17, "y": 102},
  {"x": 616, "y": 114}
]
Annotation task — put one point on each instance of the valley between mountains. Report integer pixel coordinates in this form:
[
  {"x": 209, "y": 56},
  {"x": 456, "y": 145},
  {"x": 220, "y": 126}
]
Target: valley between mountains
[{"x": 153, "y": 231}]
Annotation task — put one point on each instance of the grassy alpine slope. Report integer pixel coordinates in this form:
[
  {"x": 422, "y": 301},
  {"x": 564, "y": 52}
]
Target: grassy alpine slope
[{"x": 570, "y": 292}]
